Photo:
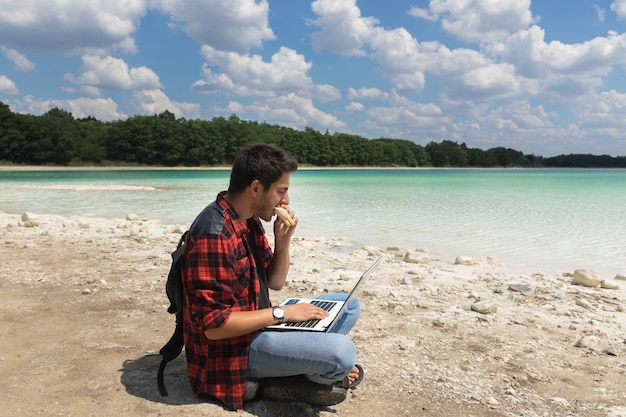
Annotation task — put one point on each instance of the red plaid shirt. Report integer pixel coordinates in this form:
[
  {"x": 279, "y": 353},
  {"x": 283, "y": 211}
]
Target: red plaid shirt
[{"x": 219, "y": 277}]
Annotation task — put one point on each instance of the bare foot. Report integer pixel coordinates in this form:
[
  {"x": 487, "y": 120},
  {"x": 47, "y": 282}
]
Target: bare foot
[{"x": 353, "y": 375}]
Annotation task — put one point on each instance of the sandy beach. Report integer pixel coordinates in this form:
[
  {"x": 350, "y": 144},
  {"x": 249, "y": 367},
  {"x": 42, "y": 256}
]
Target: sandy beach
[{"x": 84, "y": 311}]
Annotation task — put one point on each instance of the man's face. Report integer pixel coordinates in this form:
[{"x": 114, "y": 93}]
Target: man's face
[{"x": 276, "y": 195}]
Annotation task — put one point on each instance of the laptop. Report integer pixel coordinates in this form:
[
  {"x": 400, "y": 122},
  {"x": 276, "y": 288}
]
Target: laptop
[{"x": 334, "y": 308}]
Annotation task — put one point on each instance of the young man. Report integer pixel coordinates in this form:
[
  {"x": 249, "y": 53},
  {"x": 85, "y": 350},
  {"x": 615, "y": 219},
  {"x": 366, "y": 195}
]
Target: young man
[{"x": 228, "y": 266}]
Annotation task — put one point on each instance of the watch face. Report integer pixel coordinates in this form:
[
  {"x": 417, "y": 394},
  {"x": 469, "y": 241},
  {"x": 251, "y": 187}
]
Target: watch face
[{"x": 278, "y": 312}]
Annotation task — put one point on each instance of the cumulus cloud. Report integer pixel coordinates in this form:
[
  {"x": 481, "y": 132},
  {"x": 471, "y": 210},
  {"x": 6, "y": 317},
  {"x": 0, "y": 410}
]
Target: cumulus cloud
[
  {"x": 619, "y": 7},
  {"x": 100, "y": 108},
  {"x": 354, "y": 106},
  {"x": 69, "y": 26},
  {"x": 562, "y": 70},
  {"x": 342, "y": 28},
  {"x": 249, "y": 75},
  {"x": 7, "y": 86},
  {"x": 326, "y": 93},
  {"x": 21, "y": 62},
  {"x": 366, "y": 93},
  {"x": 156, "y": 101},
  {"x": 478, "y": 20},
  {"x": 227, "y": 25},
  {"x": 290, "y": 110},
  {"x": 113, "y": 73},
  {"x": 607, "y": 108}
]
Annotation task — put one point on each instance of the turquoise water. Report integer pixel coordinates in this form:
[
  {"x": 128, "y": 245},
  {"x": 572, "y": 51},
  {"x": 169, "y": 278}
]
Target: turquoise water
[{"x": 541, "y": 220}]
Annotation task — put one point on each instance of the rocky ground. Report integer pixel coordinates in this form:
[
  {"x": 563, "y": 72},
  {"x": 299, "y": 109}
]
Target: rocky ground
[{"x": 84, "y": 307}]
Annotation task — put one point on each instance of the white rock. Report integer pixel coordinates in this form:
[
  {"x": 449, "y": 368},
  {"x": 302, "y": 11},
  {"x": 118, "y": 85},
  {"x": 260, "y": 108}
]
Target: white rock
[
  {"x": 587, "y": 342},
  {"x": 26, "y": 216},
  {"x": 29, "y": 220},
  {"x": 132, "y": 217},
  {"x": 620, "y": 277},
  {"x": 609, "y": 285},
  {"x": 560, "y": 401},
  {"x": 586, "y": 278},
  {"x": 485, "y": 307},
  {"x": 414, "y": 258},
  {"x": 464, "y": 260}
]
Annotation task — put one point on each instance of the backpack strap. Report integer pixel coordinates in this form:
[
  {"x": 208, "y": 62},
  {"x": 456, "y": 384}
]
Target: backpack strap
[{"x": 174, "y": 290}]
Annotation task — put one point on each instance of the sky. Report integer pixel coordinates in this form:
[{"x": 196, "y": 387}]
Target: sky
[{"x": 543, "y": 77}]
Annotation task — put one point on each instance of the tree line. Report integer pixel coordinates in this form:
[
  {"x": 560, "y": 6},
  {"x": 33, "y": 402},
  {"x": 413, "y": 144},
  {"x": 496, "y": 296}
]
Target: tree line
[{"x": 57, "y": 138}]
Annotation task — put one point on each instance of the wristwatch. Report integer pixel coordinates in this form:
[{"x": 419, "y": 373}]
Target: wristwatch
[{"x": 279, "y": 314}]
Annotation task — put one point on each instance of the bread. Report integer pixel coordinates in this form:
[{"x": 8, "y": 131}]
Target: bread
[{"x": 284, "y": 216}]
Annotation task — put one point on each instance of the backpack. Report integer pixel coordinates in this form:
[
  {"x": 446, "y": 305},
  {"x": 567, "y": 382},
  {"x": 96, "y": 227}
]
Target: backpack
[{"x": 174, "y": 290}]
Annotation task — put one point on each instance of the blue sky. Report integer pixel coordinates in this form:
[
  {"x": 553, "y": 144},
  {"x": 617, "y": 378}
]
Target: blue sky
[{"x": 544, "y": 77}]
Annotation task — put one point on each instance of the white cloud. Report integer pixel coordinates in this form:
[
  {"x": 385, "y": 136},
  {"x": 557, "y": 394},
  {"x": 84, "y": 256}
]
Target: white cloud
[
  {"x": 342, "y": 29},
  {"x": 21, "y": 62},
  {"x": 558, "y": 70},
  {"x": 156, "y": 101},
  {"x": 108, "y": 72},
  {"x": 7, "y": 86},
  {"x": 606, "y": 109},
  {"x": 354, "y": 106},
  {"x": 495, "y": 81},
  {"x": 366, "y": 93},
  {"x": 227, "y": 25},
  {"x": 249, "y": 75},
  {"x": 326, "y": 93},
  {"x": 69, "y": 26},
  {"x": 619, "y": 7},
  {"x": 290, "y": 110},
  {"x": 479, "y": 20},
  {"x": 403, "y": 122},
  {"x": 601, "y": 13},
  {"x": 100, "y": 108}
]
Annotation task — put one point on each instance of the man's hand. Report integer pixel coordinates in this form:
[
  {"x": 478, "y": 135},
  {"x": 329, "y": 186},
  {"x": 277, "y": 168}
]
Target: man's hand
[{"x": 303, "y": 312}]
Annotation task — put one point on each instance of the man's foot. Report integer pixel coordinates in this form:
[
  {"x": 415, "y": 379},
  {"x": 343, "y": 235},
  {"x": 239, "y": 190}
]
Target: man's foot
[
  {"x": 301, "y": 389},
  {"x": 353, "y": 379}
]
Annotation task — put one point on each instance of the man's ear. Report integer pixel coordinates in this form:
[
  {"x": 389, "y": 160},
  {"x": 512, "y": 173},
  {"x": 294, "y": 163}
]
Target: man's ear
[{"x": 256, "y": 187}]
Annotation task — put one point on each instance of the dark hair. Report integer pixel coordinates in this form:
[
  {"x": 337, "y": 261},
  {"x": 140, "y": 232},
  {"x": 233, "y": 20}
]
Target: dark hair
[{"x": 260, "y": 161}]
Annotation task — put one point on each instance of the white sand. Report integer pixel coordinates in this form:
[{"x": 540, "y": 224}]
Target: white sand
[{"x": 84, "y": 301}]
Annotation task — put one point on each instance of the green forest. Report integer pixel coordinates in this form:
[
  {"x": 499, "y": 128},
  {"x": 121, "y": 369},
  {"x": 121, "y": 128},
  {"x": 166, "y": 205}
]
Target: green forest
[{"x": 57, "y": 138}]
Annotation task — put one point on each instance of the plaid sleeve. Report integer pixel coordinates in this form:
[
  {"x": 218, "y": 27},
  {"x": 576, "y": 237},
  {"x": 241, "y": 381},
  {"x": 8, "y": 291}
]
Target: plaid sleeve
[{"x": 217, "y": 281}]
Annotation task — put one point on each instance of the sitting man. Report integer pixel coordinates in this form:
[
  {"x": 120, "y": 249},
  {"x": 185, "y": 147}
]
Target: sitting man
[{"x": 228, "y": 266}]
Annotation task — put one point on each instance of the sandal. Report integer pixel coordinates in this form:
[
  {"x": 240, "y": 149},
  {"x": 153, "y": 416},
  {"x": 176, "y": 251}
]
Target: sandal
[{"x": 345, "y": 384}]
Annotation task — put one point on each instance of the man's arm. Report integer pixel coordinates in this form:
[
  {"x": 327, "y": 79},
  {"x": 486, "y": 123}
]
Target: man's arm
[
  {"x": 279, "y": 268},
  {"x": 240, "y": 323}
]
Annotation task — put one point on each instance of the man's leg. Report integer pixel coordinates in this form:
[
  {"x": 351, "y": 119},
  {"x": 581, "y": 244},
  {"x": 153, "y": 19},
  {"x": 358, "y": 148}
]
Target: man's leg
[{"x": 323, "y": 357}]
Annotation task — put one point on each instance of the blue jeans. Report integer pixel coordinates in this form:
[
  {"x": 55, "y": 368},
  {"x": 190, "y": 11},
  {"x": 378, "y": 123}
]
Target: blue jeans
[{"x": 323, "y": 358}]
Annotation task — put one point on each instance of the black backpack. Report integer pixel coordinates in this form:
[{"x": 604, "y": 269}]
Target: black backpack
[{"x": 174, "y": 290}]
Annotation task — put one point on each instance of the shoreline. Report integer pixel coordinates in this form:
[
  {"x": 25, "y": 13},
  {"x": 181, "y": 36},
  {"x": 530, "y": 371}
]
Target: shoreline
[{"x": 10, "y": 168}]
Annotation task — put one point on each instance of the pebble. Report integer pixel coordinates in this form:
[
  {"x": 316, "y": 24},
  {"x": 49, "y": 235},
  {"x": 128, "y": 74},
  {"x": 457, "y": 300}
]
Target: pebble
[
  {"x": 586, "y": 278},
  {"x": 464, "y": 260},
  {"x": 29, "y": 220},
  {"x": 520, "y": 288},
  {"x": 415, "y": 258},
  {"x": 609, "y": 285},
  {"x": 586, "y": 342},
  {"x": 485, "y": 307}
]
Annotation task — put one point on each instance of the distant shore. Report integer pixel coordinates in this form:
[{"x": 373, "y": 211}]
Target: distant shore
[{"x": 221, "y": 168}]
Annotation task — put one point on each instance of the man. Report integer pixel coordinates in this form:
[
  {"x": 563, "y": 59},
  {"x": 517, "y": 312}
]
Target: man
[{"x": 228, "y": 266}]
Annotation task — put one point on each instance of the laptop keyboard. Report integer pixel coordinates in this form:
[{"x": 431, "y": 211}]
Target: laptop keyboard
[{"x": 325, "y": 305}]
